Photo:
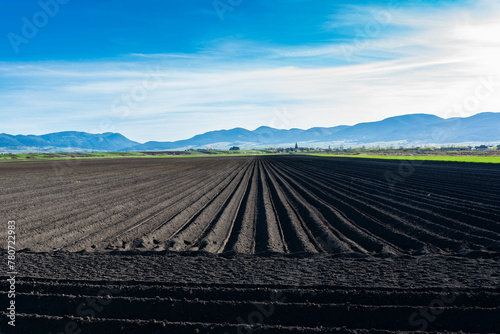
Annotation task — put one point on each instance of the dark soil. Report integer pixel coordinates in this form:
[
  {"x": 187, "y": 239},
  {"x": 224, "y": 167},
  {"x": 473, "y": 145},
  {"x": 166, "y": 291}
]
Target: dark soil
[{"x": 275, "y": 244}]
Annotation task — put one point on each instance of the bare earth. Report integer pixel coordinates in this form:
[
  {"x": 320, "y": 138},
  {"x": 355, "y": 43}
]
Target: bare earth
[{"x": 274, "y": 244}]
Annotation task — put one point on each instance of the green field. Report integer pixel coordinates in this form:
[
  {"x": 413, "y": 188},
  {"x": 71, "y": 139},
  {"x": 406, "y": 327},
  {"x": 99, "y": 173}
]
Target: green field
[
  {"x": 65, "y": 156},
  {"x": 480, "y": 159},
  {"x": 222, "y": 153},
  {"x": 116, "y": 155}
]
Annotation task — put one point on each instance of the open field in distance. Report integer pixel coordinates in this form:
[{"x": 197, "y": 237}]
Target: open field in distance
[
  {"x": 266, "y": 244},
  {"x": 453, "y": 158},
  {"x": 276, "y": 204}
]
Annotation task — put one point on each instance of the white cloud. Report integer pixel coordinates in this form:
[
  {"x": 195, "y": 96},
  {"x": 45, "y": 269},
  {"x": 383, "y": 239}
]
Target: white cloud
[{"x": 436, "y": 64}]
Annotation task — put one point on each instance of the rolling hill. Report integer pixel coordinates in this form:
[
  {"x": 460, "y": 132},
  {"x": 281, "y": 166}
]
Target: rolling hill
[
  {"x": 66, "y": 141},
  {"x": 414, "y": 129},
  {"x": 406, "y": 130}
]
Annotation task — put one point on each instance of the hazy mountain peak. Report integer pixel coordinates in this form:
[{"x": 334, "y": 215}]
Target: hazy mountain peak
[{"x": 412, "y": 129}]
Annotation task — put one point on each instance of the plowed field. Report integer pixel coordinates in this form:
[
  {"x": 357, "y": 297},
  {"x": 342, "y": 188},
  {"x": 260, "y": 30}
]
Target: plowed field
[{"x": 271, "y": 244}]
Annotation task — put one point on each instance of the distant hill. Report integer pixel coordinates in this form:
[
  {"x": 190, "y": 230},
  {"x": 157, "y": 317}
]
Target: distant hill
[
  {"x": 66, "y": 141},
  {"x": 263, "y": 136},
  {"x": 405, "y": 130},
  {"x": 414, "y": 129}
]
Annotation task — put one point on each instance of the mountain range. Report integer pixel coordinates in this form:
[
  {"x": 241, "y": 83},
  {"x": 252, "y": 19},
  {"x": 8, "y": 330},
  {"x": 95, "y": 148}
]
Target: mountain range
[
  {"x": 67, "y": 141},
  {"x": 405, "y": 130}
]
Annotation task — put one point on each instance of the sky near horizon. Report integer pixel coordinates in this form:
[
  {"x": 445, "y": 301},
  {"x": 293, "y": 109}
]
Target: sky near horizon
[{"x": 168, "y": 70}]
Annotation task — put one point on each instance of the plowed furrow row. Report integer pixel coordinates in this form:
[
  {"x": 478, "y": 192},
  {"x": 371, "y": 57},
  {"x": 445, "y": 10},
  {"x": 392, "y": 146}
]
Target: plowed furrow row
[
  {"x": 369, "y": 218},
  {"x": 279, "y": 313},
  {"x": 212, "y": 213},
  {"x": 181, "y": 221},
  {"x": 218, "y": 234},
  {"x": 427, "y": 229},
  {"x": 424, "y": 179},
  {"x": 295, "y": 236},
  {"x": 170, "y": 208},
  {"x": 240, "y": 236},
  {"x": 339, "y": 223},
  {"x": 111, "y": 186},
  {"x": 483, "y": 297},
  {"x": 92, "y": 208},
  {"x": 35, "y": 324},
  {"x": 327, "y": 239},
  {"x": 48, "y": 191},
  {"x": 106, "y": 209},
  {"x": 453, "y": 206},
  {"x": 271, "y": 237},
  {"x": 111, "y": 216},
  {"x": 401, "y": 220},
  {"x": 256, "y": 205},
  {"x": 421, "y": 209}
]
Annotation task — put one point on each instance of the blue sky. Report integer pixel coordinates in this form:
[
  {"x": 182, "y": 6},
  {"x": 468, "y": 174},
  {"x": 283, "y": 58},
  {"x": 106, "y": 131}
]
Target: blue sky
[{"x": 167, "y": 70}]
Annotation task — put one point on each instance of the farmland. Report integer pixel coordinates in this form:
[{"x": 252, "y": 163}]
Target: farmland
[
  {"x": 454, "y": 158},
  {"x": 9, "y": 157},
  {"x": 195, "y": 244}
]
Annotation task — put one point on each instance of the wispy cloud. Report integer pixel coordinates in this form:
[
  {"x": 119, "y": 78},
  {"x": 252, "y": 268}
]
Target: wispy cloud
[{"x": 418, "y": 64}]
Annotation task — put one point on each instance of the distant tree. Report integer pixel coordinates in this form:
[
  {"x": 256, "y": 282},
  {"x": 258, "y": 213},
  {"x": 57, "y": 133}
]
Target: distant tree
[
  {"x": 234, "y": 148},
  {"x": 296, "y": 146}
]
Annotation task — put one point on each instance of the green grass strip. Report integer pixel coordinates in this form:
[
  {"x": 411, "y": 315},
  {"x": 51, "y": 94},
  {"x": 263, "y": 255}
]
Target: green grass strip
[
  {"x": 477, "y": 159},
  {"x": 105, "y": 155}
]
